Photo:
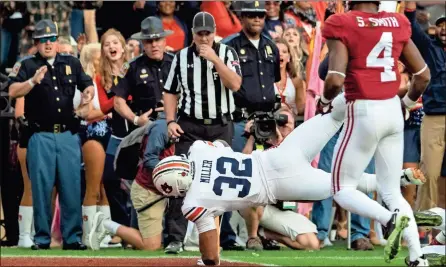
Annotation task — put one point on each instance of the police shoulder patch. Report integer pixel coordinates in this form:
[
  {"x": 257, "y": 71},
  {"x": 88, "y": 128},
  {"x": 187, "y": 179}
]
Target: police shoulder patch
[
  {"x": 15, "y": 69},
  {"x": 123, "y": 71}
]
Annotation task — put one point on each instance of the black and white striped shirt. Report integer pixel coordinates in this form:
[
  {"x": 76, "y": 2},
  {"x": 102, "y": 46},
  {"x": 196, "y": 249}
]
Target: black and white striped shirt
[{"x": 203, "y": 95}]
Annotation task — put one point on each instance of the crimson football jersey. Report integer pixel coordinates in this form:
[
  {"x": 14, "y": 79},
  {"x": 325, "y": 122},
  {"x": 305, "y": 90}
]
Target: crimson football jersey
[{"x": 374, "y": 43}]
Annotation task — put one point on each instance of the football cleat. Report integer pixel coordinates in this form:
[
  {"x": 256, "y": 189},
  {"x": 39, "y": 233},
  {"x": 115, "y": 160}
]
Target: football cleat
[
  {"x": 394, "y": 231},
  {"x": 433, "y": 259},
  {"x": 427, "y": 218}
]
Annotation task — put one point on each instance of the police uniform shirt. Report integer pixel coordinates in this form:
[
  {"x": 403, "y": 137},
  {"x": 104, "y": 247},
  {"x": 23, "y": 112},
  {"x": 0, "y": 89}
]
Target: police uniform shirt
[
  {"x": 144, "y": 81},
  {"x": 51, "y": 101},
  {"x": 260, "y": 69},
  {"x": 203, "y": 94}
]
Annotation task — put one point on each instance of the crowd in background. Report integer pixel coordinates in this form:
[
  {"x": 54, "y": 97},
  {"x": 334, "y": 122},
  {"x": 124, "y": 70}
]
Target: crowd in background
[{"x": 102, "y": 35}]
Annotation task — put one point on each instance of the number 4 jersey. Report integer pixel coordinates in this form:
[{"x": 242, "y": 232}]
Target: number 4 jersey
[
  {"x": 374, "y": 42},
  {"x": 223, "y": 180}
]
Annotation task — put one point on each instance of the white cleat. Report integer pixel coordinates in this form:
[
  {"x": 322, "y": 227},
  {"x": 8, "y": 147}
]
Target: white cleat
[
  {"x": 98, "y": 232},
  {"x": 413, "y": 176}
]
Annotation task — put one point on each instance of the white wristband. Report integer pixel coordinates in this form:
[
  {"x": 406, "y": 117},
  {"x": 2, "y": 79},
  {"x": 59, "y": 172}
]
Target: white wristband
[
  {"x": 324, "y": 100},
  {"x": 30, "y": 81},
  {"x": 409, "y": 103},
  {"x": 135, "y": 120}
]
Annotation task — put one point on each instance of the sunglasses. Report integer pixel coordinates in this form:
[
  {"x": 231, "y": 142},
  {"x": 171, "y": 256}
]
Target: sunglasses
[
  {"x": 52, "y": 39},
  {"x": 252, "y": 15}
]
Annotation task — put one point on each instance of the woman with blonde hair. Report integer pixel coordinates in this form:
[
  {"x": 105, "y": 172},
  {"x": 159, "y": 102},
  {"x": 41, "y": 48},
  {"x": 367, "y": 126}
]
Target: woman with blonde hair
[
  {"x": 298, "y": 50},
  {"x": 107, "y": 62},
  {"x": 290, "y": 88}
]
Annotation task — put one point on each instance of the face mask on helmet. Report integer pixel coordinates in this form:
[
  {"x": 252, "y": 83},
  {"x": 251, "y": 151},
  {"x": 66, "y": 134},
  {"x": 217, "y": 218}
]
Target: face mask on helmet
[{"x": 172, "y": 176}]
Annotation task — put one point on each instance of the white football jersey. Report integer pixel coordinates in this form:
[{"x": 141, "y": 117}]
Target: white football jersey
[{"x": 223, "y": 180}]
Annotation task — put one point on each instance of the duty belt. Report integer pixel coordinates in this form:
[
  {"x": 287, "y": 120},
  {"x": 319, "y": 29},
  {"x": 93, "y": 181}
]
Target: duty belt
[{"x": 51, "y": 128}]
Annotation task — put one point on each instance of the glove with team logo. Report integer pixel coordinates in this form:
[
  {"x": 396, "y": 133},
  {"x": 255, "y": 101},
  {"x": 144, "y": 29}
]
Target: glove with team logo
[{"x": 321, "y": 107}]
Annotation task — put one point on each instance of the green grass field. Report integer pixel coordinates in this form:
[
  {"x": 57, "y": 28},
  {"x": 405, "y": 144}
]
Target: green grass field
[{"x": 337, "y": 255}]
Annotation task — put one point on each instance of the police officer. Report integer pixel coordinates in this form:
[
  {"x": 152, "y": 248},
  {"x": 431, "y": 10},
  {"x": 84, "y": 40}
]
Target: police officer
[
  {"x": 48, "y": 82},
  {"x": 145, "y": 77},
  {"x": 259, "y": 59}
]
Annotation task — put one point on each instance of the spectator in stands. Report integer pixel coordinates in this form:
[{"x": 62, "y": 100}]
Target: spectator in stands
[
  {"x": 11, "y": 23},
  {"x": 134, "y": 47},
  {"x": 274, "y": 22},
  {"x": 83, "y": 19},
  {"x": 227, "y": 21},
  {"x": 301, "y": 15},
  {"x": 65, "y": 47},
  {"x": 433, "y": 127},
  {"x": 412, "y": 142},
  {"x": 290, "y": 88},
  {"x": 58, "y": 11},
  {"x": 201, "y": 116},
  {"x": 179, "y": 37},
  {"x": 299, "y": 50}
]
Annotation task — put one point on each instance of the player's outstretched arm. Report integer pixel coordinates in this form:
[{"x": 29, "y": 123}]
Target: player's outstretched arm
[
  {"x": 415, "y": 64},
  {"x": 337, "y": 66},
  {"x": 209, "y": 247}
]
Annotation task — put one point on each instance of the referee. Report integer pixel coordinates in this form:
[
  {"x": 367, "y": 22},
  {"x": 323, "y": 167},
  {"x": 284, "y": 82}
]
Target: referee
[
  {"x": 202, "y": 77},
  {"x": 200, "y": 80}
]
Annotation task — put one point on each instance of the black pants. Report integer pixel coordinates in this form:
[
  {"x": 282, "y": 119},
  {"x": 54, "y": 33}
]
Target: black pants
[{"x": 176, "y": 224}]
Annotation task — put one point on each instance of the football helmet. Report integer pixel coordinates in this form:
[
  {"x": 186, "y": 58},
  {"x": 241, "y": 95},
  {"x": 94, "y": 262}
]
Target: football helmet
[{"x": 172, "y": 176}]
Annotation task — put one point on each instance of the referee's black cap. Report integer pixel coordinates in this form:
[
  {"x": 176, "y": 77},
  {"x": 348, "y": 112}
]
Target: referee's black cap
[{"x": 203, "y": 21}]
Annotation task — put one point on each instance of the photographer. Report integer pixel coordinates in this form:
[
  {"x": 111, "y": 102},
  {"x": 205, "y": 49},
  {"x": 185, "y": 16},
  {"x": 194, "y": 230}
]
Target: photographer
[
  {"x": 295, "y": 230},
  {"x": 258, "y": 130}
]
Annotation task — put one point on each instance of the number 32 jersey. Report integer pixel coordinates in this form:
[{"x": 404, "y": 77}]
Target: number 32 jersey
[
  {"x": 374, "y": 43},
  {"x": 223, "y": 181}
]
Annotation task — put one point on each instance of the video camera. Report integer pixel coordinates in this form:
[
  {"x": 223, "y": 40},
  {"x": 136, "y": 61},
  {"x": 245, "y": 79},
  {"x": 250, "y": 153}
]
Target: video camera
[{"x": 264, "y": 126}]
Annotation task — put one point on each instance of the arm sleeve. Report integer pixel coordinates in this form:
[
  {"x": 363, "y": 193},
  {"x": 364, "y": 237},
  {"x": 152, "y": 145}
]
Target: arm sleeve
[
  {"x": 83, "y": 79},
  {"x": 203, "y": 218},
  {"x": 172, "y": 84},
  {"x": 334, "y": 28},
  {"x": 233, "y": 61},
  {"x": 156, "y": 143},
  {"x": 419, "y": 37}
]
